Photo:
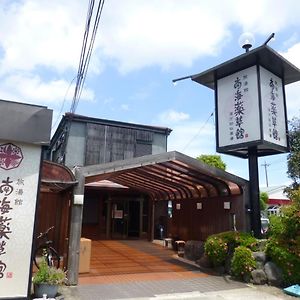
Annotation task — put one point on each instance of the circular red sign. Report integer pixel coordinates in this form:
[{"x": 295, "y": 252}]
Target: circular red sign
[{"x": 11, "y": 156}]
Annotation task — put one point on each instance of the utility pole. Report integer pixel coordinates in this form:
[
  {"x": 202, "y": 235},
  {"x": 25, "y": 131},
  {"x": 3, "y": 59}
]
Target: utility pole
[{"x": 266, "y": 172}]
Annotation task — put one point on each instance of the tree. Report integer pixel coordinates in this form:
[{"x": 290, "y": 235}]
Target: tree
[
  {"x": 212, "y": 160},
  {"x": 293, "y": 159},
  {"x": 263, "y": 199}
]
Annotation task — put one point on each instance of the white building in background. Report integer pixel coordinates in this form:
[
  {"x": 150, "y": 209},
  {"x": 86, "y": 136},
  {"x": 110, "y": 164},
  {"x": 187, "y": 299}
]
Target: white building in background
[{"x": 277, "y": 198}]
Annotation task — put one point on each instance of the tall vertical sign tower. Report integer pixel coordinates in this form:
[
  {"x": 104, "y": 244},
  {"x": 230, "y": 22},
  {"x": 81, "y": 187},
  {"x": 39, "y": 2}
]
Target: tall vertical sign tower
[{"x": 251, "y": 110}]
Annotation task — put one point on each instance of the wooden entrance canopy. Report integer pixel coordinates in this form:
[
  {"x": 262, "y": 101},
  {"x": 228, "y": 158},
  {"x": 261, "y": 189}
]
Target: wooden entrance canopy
[{"x": 167, "y": 176}]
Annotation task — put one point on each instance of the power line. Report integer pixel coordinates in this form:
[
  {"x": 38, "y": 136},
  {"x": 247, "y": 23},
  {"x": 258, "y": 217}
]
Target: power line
[
  {"x": 85, "y": 55},
  {"x": 198, "y": 131},
  {"x": 63, "y": 103}
]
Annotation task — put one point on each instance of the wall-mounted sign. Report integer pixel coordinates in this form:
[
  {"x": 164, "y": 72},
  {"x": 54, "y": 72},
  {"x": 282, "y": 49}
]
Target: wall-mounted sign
[
  {"x": 226, "y": 205},
  {"x": 118, "y": 214},
  {"x": 19, "y": 175},
  {"x": 199, "y": 205}
]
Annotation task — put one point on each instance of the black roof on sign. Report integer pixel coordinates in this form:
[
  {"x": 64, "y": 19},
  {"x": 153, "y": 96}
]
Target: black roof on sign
[{"x": 263, "y": 55}]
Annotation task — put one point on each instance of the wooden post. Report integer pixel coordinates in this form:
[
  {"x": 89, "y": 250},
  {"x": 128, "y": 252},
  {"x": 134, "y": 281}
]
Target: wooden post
[
  {"x": 108, "y": 218},
  {"x": 152, "y": 218},
  {"x": 141, "y": 200},
  {"x": 75, "y": 230}
]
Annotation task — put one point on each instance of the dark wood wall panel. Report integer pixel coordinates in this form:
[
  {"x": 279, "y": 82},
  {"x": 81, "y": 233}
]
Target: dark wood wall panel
[
  {"x": 189, "y": 223},
  {"x": 53, "y": 210},
  {"x": 110, "y": 143},
  {"x": 94, "y": 144},
  {"x": 94, "y": 221},
  {"x": 129, "y": 138}
]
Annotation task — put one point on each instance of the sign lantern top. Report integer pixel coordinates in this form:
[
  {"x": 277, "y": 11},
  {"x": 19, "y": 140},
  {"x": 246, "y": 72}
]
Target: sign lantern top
[
  {"x": 263, "y": 55},
  {"x": 250, "y": 101}
]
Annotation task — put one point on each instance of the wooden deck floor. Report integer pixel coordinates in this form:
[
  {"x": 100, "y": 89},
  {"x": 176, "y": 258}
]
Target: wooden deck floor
[{"x": 122, "y": 261}]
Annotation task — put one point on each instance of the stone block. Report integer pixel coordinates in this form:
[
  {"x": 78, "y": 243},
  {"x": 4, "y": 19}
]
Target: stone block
[{"x": 193, "y": 250}]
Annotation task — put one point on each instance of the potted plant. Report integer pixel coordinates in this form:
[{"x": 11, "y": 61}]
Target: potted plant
[{"x": 47, "y": 279}]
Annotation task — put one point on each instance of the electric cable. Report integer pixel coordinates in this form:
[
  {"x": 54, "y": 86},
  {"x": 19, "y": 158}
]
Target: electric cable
[
  {"x": 202, "y": 127},
  {"x": 85, "y": 55}
]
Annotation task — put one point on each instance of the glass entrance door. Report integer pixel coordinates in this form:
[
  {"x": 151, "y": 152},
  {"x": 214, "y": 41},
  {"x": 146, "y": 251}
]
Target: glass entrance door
[
  {"x": 119, "y": 217},
  {"x": 126, "y": 218}
]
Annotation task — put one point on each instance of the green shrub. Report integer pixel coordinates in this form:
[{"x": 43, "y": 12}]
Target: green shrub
[
  {"x": 286, "y": 259},
  {"x": 49, "y": 275},
  {"x": 276, "y": 227},
  {"x": 220, "y": 246},
  {"x": 243, "y": 262},
  {"x": 216, "y": 250},
  {"x": 283, "y": 247},
  {"x": 247, "y": 240}
]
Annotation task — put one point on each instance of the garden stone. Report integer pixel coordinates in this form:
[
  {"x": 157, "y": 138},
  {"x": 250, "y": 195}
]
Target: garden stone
[
  {"x": 204, "y": 262},
  {"x": 260, "y": 258},
  {"x": 259, "y": 277},
  {"x": 193, "y": 250},
  {"x": 274, "y": 274}
]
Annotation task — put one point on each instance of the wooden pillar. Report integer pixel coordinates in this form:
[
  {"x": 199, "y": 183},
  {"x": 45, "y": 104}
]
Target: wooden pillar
[
  {"x": 108, "y": 218},
  {"x": 141, "y": 217},
  {"x": 75, "y": 229},
  {"x": 152, "y": 218}
]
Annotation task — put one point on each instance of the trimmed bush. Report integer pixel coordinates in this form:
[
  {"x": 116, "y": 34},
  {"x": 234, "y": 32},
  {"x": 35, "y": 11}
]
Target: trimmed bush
[
  {"x": 216, "y": 249},
  {"x": 243, "y": 262},
  {"x": 220, "y": 246}
]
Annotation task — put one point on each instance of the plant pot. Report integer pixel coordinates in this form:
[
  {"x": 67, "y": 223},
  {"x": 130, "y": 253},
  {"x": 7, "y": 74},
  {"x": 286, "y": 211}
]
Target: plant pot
[{"x": 44, "y": 288}]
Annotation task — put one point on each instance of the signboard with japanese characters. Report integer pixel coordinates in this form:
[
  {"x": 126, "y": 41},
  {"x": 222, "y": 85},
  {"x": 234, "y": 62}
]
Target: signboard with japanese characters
[
  {"x": 238, "y": 108},
  {"x": 19, "y": 175},
  {"x": 274, "y": 125},
  {"x": 250, "y": 102}
]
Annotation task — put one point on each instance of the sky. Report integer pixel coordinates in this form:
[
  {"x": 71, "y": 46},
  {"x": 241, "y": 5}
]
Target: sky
[{"x": 140, "y": 47}]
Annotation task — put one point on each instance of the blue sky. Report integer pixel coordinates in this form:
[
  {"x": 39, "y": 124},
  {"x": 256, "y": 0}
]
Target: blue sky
[{"x": 140, "y": 47}]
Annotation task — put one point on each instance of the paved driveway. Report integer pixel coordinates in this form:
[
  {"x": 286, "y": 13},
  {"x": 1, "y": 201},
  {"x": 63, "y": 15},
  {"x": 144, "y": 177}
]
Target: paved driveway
[{"x": 143, "y": 270}]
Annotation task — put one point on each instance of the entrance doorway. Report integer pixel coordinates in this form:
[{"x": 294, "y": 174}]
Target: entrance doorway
[
  {"x": 115, "y": 216},
  {"x": 126, "y": 218}
]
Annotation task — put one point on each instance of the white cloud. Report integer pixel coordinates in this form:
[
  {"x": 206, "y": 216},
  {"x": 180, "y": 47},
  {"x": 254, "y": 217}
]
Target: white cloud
[
  {"x": 132, "y": 34},
  {"x": 172, "y": 116},
  {"x": 265, "y": 17},
  {"x": 192, "y": 139},
  {"x": 32, "y": 89},
  {"x": 293, "y": 99},
  {"x": 293, "y": 54},
  {"x": 137, "y": 34},
  {"x": 292, "y": 90},
  {"x": 41, "y": 33}
]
